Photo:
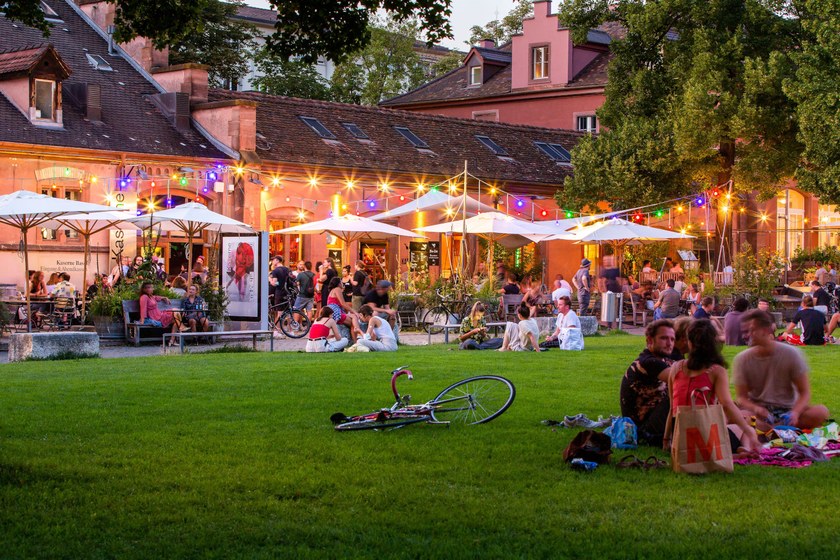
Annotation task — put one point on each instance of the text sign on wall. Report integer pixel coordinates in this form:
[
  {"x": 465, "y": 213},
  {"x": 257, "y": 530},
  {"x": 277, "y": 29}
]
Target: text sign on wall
[{"x": 434, "y": 253}]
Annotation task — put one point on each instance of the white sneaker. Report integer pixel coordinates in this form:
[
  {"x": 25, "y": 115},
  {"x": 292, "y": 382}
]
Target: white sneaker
[{"x": 278, "y": 335}]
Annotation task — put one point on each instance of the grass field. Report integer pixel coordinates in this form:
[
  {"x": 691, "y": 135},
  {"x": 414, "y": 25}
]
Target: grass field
[{"x": 233, "y": 456}]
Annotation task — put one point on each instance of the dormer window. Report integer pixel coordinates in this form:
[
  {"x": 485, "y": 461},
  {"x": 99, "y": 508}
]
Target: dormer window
[
  {"x": 475, "y": 75},
  {"x": 44, "y": 102},
  {"x": 539, "y": 63}
]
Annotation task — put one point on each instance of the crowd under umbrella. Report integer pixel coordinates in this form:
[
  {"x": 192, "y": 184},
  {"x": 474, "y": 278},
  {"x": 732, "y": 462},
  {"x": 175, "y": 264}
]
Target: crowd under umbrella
[
  {"x": 26, "y": 210},
  {"x": 192, "y": 219},
  {"x": 349, "y": 228},
  {"x": 87, "y": 224}
]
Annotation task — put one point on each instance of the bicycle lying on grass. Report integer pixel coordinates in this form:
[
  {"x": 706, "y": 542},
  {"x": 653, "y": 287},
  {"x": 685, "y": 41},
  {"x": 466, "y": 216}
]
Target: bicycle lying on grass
[{"x": 475, "y": 400}]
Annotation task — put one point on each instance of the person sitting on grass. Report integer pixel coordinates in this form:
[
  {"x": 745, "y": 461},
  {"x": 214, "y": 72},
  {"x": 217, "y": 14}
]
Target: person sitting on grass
[
  {"x": 522, "y": 336},
  {"x": 342, "y": 311},
  {"x": 324, "y": 335},
  {"x": 151, "y": 316},
  {"x": 194, "y": 310},
  {"x": 707, "y": 305},
  {"x": 732, "y": 328},
  {"x": 567, "y": 334},
  {"x": 644, "y": 389},
  {"x": 771, "y": 379},
  {"x": 473, "y": 334},
  {"x": 813, "y": 323},
  {"x": 379, "y": 336},
  {"x": 704, "y": 371},
  {"x": 832, "y": 326}
]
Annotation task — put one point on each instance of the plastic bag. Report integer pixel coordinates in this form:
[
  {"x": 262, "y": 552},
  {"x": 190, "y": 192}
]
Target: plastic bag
[{"x": 623, "y": 433}]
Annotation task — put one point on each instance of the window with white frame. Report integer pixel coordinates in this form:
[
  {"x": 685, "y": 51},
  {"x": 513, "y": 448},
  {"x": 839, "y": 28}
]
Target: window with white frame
[
  {"x": 587, "y": 123},
  {"x": 539, "y": 61},
  {"x": 45, "y": 100},
  {"x": 475, "y": 75},
  {"x": 68, "y": 193}
]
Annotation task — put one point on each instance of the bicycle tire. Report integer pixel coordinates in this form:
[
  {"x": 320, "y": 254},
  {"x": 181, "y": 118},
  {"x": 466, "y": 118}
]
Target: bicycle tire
[
  {"x": 434, "y": 316},
  {"x": 294, "y": 328},
  {"x": 389, "y": 424},
  {"x": 496, "y": 394}
]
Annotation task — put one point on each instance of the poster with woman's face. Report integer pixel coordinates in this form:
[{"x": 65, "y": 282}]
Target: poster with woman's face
[{"x": 240, "y": 276}]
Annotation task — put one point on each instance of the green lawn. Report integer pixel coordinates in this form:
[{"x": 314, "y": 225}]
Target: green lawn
[{"x": 233, "y": 456}]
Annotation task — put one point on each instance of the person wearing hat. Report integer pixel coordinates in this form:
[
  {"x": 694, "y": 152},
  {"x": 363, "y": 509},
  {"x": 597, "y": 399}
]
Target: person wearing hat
[
  {"x": 378, "y": 301},
  {"x": 583, "y": 284}
]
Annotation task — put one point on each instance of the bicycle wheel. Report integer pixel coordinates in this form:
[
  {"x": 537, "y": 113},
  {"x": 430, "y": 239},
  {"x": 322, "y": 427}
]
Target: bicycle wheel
[
  {"x": 294, "y": 323},
  {"x": 389, "y": 424},
  {"x": 474, "y": 400},
  {"x": 439, "y": 315}
]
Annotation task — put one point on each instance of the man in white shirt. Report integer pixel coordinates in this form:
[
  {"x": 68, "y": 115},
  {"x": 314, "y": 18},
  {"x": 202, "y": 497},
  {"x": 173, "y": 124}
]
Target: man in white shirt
[
  {"x": 567, "y": 334},
  {"x": 560, "y": 290}
]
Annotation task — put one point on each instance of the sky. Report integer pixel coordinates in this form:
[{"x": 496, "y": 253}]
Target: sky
[{"x": 465, "y": 14}]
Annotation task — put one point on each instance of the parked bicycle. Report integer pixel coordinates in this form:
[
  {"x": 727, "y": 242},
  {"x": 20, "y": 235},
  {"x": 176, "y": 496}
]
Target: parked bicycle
[
  {"x": 475, "y": 400},
  {"x": 448, "y": 311},
  {"x": 284, "y": 317}
]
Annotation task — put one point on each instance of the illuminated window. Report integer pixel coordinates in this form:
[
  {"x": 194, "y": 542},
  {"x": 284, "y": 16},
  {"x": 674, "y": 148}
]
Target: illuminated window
[{"x": 539, "y": 61}]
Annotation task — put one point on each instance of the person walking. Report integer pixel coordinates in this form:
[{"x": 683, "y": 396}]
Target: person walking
[{"x": 583, "y": 284}]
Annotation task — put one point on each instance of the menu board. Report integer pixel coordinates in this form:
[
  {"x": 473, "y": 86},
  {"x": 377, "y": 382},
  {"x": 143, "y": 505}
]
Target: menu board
[{"x": 434, "y": 253}]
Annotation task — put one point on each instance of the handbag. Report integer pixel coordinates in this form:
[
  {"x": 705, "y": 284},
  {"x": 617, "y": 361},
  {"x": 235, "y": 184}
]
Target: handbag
[
  {"x": 589, "y": 446},
  {"x": 701, "y": 440}
]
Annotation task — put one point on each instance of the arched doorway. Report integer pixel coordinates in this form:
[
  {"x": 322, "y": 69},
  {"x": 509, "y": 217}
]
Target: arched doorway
[{"x": 290, "y": 246}]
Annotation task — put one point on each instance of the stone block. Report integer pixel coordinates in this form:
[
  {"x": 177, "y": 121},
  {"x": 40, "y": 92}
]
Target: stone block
[
  {"x": 47, "y": 345},
  {"x": 589, "y": 325}
]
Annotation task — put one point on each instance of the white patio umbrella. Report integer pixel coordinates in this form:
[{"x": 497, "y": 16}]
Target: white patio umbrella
[
  {"x": 87, "y": 224},
  {"x": 622, "y": 231},
  {"x": 498, "y": 228},
  {"x": 434, "y": 200},
  {"x": 192, "y": 218},
  {"x": 350, "y": 228},
  {"x": 25, "y": 210}
]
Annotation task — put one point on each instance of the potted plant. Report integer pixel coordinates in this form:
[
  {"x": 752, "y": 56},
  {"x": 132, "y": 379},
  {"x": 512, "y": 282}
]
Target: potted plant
[{"x": 106, "y": 310}]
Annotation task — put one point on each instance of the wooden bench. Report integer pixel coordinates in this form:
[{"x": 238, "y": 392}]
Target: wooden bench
[
  {"x": 135, "y": 331},
  {"x": 221, "y": 334}
]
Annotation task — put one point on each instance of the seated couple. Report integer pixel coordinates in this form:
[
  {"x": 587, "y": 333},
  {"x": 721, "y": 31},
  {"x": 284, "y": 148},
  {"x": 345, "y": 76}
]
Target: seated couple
[
  {"x": 520, "y": 336},
  {"x": 771, "y": 381},
  {"x": 193, "y": 318},
  {"x": 324, "y": 335}
]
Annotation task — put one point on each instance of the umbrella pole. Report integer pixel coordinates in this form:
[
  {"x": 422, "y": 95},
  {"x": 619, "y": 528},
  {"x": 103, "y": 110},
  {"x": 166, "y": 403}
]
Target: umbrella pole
[
  {"x": 84, "y": 276},
  {"x": 188, "y": 250},
  {"x": 26, "y": 282}
]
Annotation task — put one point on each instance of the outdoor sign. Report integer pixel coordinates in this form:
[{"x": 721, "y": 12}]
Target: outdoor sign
[
  {"x": 434, "y": 253},
  {"x": 239, "y": 266},
  {"x": 418, "y": 260}
]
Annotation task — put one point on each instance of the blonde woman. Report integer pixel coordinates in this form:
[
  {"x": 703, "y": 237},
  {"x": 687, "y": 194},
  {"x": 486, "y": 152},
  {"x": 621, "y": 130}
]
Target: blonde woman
[{"x": 473, "y": 334}]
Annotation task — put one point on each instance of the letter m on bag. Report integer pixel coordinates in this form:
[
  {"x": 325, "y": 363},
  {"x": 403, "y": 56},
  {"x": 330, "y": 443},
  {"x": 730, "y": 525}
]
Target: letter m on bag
[{"x": 695, "y": 442}]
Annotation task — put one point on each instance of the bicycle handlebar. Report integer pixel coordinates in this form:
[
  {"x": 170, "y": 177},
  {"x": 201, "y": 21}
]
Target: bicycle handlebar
[{"x": 394, "y": 375}]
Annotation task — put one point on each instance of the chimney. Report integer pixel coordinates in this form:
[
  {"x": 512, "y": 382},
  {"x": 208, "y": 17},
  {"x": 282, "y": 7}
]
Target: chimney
[
  {"x": 233, "y": 122},
  {"x": 176, "y": 107},
  {"x": 191, "y": 79},
  {"x": 488, "y": 44},
  {"x": 86, "y": 97},
  {"x": 141, "y": 49}
]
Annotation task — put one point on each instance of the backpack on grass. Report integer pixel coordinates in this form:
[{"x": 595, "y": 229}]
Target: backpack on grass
[{"x": 589, "y": 445}]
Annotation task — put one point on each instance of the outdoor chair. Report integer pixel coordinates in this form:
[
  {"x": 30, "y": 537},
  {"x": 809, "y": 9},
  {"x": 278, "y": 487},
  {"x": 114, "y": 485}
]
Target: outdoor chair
[
  {"x": 510, "y": 303},
  {"x": 61, "y": 315}
]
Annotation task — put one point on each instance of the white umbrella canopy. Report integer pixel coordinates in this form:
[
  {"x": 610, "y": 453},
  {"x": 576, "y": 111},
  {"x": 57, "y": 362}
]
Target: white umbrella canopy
[
  {"x": 618, "y": 230},
  {"x": 496, "y": 227},
  {"x": 349, "y": 228},
  {"x": 87, "y": 224},
  {"x": 191, "y": 218},
  {"x": 434, "y": 200},
  {"x": 25, "y": 210}
]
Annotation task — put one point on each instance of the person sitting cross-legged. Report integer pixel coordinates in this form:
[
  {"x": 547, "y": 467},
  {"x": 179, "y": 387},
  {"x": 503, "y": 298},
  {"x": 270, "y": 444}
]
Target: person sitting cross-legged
[
  {"x": 771, "y": 379},
  {"x": 324, "y": 335},
  {"x": 473, "y": 334},
  {"x": 379, "y": 336},
  {"x": 813, "y": 323},
  {"x": 522, "y": 336},
  {"x": 567, "y": 334}
]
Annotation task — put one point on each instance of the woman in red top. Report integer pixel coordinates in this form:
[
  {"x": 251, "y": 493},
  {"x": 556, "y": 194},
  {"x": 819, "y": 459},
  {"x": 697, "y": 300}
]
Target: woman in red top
[
  {"x": 324, "y": 335},
  {"x": 151, "y": 315},
  {"x": 342, "y": 311},
  {"x": 705, "y": 371}
]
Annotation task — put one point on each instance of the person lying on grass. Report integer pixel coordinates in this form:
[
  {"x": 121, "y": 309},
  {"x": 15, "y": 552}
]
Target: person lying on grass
[
  {"x": 703, "y": 374},
  {"x": 771, "y": 379}
]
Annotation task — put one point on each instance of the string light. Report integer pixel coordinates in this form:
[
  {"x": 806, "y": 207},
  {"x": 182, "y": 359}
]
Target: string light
[
  {"x": 212, "y": 176},
  {"x": 275, "y": 181},
  {"x": 351, "y": 185}
]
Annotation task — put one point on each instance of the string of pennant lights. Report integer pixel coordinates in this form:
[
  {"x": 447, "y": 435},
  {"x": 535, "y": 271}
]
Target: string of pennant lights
[{"x": 693, "y": 211}]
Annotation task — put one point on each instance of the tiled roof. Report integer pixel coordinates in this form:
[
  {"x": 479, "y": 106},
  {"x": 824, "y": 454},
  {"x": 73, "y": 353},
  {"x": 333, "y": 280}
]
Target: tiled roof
[
  {"x": 130, "y": 122},
  {"x": 284, "y": 138},
  {"x": 494, "y": 55},
  {"x": 20, "y": 60},
  {"x": 259, "y": 15},
  {"x": 453, "y": 85}
]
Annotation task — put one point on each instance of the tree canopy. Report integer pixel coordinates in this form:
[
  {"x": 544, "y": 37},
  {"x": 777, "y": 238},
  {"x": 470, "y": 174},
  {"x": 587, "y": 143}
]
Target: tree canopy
[
  {"x": 305, "y": 29},
  {"x": 501, "y": 30},
  {"x": 694, "y": 98}
]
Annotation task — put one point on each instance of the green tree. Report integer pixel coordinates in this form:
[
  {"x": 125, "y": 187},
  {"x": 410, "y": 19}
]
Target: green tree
[
  {"x": 386, "y": 67},
  {"x": 501, "y": 30},
  {"x": 291, "y": 78},
  {"x": 816, "y": 89},
  {"x": 446, "y": 64},
  {"x": 223, "y": 43},
  {"x": 694, "y": 98},
  {"x": 305, "y": 28}
]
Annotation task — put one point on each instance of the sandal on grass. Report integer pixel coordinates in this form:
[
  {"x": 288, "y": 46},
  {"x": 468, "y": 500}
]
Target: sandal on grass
[
  {"x": 630, "y": 462},
  {"x": 654, "y": 463}
]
